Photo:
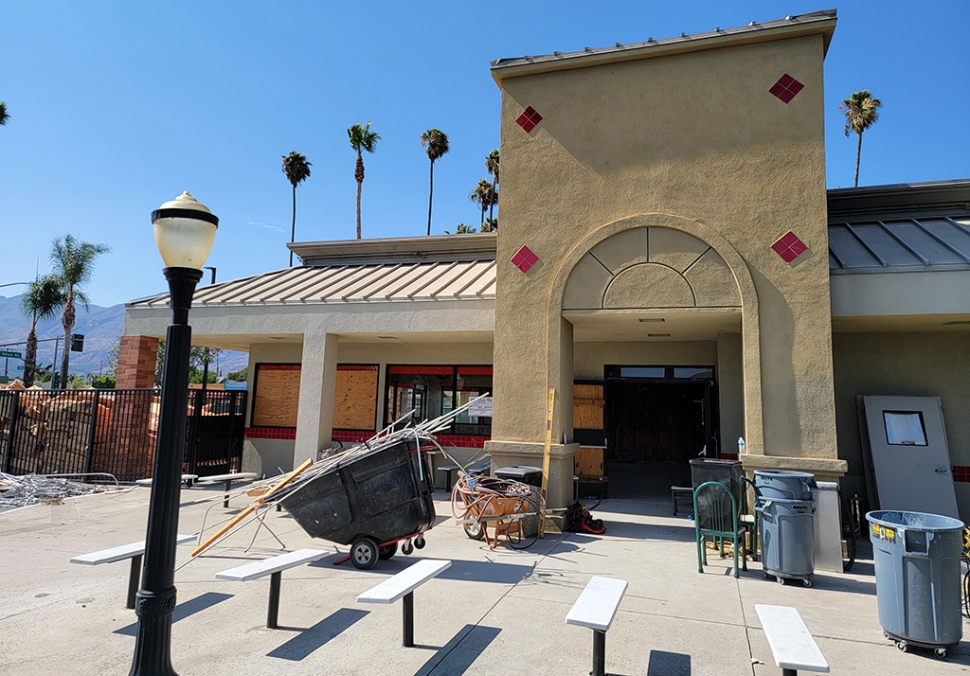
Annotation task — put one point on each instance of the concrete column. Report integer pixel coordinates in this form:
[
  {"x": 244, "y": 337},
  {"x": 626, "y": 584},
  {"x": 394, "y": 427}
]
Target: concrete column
[{"x": 318, "y": 377}]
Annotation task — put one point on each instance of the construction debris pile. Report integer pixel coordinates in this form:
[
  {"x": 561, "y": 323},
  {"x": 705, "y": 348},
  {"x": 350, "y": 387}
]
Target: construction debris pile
[{"x": 21, "y": 491}]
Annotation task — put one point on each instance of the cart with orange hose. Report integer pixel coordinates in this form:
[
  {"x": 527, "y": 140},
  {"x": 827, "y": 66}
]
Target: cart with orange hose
[{"x": 511, "y": 508}]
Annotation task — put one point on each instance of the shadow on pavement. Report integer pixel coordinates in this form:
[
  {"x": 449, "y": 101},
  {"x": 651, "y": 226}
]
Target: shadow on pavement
[
  {"x": 668, "y": 664},
  {"x": 478, "y": 571},
  {"x": 303, "y": 644},
  {"x": 460, "y": 652},
  {"x": 183, "y": 610}
]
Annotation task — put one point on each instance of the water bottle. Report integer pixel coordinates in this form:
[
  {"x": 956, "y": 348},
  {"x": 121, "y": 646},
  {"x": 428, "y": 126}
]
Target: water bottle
[{"x": 740, "y": 445}]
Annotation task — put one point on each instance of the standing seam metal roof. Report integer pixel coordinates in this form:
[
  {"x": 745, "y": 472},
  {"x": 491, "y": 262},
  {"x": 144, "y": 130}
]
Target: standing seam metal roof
[{"x": 337, "y": 284}]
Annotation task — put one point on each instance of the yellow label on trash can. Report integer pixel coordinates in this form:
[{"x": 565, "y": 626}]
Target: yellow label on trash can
[{"x": 883, "y": 533}]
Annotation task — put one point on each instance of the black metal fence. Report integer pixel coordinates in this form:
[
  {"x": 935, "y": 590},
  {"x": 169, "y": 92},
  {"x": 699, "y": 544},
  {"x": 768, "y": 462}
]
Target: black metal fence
[{"x": 113, "y": 431}]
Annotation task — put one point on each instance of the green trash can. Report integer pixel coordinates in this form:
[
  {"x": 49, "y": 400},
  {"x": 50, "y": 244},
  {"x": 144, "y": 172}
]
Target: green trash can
[{"x": 917, "y": 561}]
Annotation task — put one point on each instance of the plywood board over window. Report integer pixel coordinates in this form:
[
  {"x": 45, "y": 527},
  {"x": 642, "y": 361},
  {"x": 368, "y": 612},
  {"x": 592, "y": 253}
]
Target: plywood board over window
[
  {"x": 277, "y": 391},
  {"x": 355, "y": 399},
  {"x": 588, "y": 402}
]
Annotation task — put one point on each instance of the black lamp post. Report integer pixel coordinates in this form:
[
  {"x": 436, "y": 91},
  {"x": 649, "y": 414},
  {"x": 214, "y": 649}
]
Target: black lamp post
[{"x": 184, "y": 233}]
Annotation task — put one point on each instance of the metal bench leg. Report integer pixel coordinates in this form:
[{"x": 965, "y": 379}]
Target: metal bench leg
[
  {"x": 272, "y": 614},
  {"x": 134, "y": 578},
  {"x": 599, "y": 653},
  {"x": 789, "y": 672},
  {"x": 225, "y": 503},
  {"x": 409, "y": 620}
]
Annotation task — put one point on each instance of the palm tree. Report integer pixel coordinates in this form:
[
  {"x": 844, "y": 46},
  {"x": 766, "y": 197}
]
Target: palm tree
[
  {"x": 860, "y": 114},
  {"x": 297, "y": 170},
  {"x": 361, "y": 139},
  {"x": 3, "y": 113},
  {"x": 435, "y": 142},
  {"x": 41, "y": 301},
  {"x": 483, "y": 195},
  {"x": 73, "y": 262},
  {"x": 491, "y": 166}
]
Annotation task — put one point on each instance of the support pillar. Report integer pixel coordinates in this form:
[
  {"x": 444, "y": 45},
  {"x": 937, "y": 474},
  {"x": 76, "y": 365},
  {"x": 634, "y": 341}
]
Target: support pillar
[{"x": 318, "y": 377}]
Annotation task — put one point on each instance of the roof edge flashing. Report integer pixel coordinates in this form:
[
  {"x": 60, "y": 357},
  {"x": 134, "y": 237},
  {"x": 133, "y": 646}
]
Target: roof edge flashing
[
  {"x": 821, "y": 22},
  {"x": 478, "y": 246}
]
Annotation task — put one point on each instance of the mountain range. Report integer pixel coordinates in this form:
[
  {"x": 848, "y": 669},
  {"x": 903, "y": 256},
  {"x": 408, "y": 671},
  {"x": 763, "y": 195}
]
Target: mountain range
[{"x": 101, "y": 327}]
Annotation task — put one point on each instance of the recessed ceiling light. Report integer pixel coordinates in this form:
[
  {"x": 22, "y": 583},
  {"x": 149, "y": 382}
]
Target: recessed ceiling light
[
  {"x": 647, "y": 320},
  {"x": 958, "y": 323},
  {"x": 658, "y": 335},
  {"x": 277, "y": 337},
  {"x": 387, "y": 337}
]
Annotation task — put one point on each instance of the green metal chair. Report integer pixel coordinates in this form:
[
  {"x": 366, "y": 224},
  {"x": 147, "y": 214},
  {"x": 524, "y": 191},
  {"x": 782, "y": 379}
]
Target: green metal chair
[{"x": 716, "y": 516}]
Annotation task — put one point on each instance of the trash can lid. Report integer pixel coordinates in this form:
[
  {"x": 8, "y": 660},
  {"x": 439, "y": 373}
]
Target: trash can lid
[
  {"x": 783, "y": 473},
  {"x": 931, "y": 523}
]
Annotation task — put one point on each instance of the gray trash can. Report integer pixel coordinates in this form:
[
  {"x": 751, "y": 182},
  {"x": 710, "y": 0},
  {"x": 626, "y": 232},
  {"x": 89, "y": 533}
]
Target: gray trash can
[
  {"x": 787, "y": 532},
  {"x": 784, "y": 484},
  {"x": 917, "y": 560}
]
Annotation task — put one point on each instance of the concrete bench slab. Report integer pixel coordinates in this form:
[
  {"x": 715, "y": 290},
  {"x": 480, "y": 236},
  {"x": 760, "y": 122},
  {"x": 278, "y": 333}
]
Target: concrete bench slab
[
  {"x": 792, "y": 645},
  {"x": 274, "y": 567},
  {"x": 595, "y": 609},
  {"x": 403, "y": 585}
]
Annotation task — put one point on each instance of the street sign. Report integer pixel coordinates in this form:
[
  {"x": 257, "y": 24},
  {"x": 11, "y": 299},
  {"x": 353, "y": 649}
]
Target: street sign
[
  {"x": 12, "y": 355},
  {"x": 20, "y": 368}
]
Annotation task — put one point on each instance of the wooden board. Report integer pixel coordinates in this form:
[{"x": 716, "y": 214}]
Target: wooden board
[
  {"x": 277, "y": 394},
  {"x": 355, "y": 399},
  {"x": 589, "y": 461},
  {"x": 588, "y": 404}
]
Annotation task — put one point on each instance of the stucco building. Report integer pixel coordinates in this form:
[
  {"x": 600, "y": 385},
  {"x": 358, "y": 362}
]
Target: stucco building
[{"x": 669, "y": 262}]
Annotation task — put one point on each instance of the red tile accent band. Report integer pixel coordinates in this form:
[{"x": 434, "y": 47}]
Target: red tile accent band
[
  {"x": 786, "y": 88},
  {"x": 461, "y": 440},
  {"x": 271, "y": 433},
  {"x": 961, "y": 473},
  {"x": 729, "y": 456}
]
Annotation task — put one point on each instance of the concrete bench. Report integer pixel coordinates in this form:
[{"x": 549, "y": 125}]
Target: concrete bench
[
  {"x": 678, "y": 493},
  {"x": 403, "y": 585},
  {"x": 273, "y": 567},
  {"x": 595, "y": 609},
  {"x": 187, "y": 479},
  {"x": 448, "y": 470},
  {"x": 133, "y": 551},
  {"x": 791, "y": 643},
  {"x": 228, "y": 478}
]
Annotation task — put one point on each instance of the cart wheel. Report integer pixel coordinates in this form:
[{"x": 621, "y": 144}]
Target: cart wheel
[
  {"x": 779, "y": 579},
  {"x": 475, "y": 531},
  {"x": 886, "y": 634},
  {"x": 364, "y": 553},
  {"x": 387, "y": 551},
  {"x": 807, "y": 582},
  {"x": 940, "y": 652},
  {"x": 903, "y": 646},
  {"x": 419, "y": 541},
  {"x": 407, "y": 548}
]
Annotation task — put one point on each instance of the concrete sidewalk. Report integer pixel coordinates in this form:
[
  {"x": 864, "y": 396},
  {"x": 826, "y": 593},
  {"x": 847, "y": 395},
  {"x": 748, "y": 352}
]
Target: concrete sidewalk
[{"x": 493, "y": 612}]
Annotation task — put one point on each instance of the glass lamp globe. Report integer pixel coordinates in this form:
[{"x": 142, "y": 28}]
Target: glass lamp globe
[{"x": 185, "y": 231}]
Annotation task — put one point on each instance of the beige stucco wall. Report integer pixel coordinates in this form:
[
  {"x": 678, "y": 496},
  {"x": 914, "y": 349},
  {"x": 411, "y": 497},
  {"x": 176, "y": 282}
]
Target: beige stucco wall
[
  {"x": 692, "y": 142},
  {"x": 911, "y": 364},
  {"x": 592, "y": 357}
]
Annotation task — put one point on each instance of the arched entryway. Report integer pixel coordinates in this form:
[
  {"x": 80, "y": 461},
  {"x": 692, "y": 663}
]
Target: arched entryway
[{"x": 658, "y": 319}]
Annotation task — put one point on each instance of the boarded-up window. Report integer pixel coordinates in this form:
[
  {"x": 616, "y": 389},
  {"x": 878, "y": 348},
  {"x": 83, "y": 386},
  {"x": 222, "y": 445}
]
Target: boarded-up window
[
  {"x": 588, "y": 402},
  {"x": 277, "y": 391},
  {"x": 355, "y": 400}
]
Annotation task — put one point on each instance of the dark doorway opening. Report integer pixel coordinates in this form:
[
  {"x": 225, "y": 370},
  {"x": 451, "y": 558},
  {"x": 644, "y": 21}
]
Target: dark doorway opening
[{"x": 658, "y": 418}]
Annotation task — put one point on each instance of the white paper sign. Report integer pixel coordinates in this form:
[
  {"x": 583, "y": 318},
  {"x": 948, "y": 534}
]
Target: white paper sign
[{"x": 481, "y": 408}]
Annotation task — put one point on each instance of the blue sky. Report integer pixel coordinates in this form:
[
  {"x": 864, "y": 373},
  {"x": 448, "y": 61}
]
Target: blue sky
[{"x": 117, "y": 107}]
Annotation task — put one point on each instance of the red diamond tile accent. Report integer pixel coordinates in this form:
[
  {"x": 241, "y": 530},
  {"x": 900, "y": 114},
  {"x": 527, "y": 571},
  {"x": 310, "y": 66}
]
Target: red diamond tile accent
[
  {"x": 529, "y": 119},
  {"x": 786, "y": 88},
  {"x": 524, "y": 259},
  {"x": 789, "y": 247}
]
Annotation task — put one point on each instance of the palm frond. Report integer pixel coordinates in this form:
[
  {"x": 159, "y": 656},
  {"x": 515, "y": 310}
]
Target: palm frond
[
  {"x": 296, "y": 168},
  {"x": 435, "y": 142},
  {"x": 362, "y": 138},
  {"x": 3, "y": 113},
  {"x": 43, "y": 298}
]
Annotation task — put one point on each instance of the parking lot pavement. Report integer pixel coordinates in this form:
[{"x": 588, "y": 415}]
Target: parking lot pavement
[{"x": 495, "y": 611}]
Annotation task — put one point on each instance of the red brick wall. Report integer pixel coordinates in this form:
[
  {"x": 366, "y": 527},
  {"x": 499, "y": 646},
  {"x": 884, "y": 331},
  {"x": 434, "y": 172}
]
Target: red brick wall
[{"x": 136, "y": 362}]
